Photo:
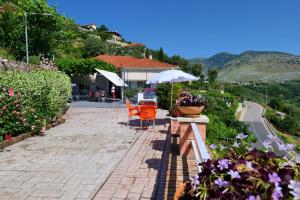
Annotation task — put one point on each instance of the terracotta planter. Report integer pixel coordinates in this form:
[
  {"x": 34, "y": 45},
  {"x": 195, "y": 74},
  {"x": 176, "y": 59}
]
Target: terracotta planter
[{"x": 191, "y": 111}]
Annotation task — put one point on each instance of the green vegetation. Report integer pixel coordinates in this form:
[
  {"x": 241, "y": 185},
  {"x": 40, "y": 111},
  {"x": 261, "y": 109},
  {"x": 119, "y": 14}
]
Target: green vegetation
[
  {"x": 82, "y": 66},
  {"x": 31, "y": 100},
  {"x": 46, "y": 32},
  {"x": 223, "y": 127},
  {"x": 163, "y": 92},
  {"x": 283, "y": 97}
]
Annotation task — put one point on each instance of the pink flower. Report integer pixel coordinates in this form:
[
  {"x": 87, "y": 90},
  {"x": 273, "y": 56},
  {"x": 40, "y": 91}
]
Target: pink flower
[
  {"x": 11, "y": 92},
  {"x": 43, "y": 129}
]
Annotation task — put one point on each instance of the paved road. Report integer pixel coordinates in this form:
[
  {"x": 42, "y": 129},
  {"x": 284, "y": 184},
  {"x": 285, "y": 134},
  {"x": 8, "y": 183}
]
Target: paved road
[
  {"x": 257, "y": 125},
  {"x": 72, "y": 161}
]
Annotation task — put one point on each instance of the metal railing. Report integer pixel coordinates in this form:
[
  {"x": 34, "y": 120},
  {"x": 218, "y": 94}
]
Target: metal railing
[{"x": 199, "y": 148}]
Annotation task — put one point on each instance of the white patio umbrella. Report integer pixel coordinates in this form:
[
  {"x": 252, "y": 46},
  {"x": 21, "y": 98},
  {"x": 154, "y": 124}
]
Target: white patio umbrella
[{"x": 172, "y": 76}]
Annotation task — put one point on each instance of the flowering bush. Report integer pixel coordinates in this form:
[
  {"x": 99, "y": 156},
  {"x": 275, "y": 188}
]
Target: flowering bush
[
  {"x": 30, "y": 101},
  {"x": 247, "y": 174}
]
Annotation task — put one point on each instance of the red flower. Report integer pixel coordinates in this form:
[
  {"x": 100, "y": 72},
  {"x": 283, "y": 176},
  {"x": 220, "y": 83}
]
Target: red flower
[{"x": 11, "y": 92}]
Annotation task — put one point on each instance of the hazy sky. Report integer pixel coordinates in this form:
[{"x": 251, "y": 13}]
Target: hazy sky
[{"x": 194, "y": 28}]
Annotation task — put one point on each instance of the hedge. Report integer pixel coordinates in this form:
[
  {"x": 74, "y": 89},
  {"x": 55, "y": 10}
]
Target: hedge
[{"x": 37, "y": 97}]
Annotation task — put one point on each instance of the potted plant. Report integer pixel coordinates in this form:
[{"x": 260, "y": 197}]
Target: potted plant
[
  {"x": 191, "y": 106},
  {"x": 174, "y": 112}
]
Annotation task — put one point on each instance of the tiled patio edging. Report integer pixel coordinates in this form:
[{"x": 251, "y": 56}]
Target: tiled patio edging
[{"x": 16, "y": 139}]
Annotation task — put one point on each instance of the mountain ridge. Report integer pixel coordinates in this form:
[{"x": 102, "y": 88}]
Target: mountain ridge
[{"x": 254, "y": 66}]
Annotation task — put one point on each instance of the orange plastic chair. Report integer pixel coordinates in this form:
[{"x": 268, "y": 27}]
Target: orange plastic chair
[
  {"x": 148, "y": 113},
  {"x": 132, "y": 111}
]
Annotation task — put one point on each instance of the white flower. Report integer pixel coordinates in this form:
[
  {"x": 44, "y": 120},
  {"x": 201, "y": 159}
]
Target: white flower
[
  {"x": 235, "y": 144},
  {"x": 222, "y": 147},
  {"x": 213, "y": 146},
  {"x": 290, "y": 147},
  {"x": 241, "y": 136},
  {"x": 272, "y": 137},
  {"x": 295, "y": 188},
  {"x": 267, "y": 144},
  {"x": 249, "y": 165}
]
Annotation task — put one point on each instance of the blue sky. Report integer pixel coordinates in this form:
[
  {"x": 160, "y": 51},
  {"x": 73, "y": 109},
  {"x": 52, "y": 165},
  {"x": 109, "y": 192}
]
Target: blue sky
[{"x": 193, "y": 28}]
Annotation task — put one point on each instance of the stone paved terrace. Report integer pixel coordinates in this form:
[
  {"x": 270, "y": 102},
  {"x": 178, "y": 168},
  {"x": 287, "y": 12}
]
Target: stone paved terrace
[{"x": 93, "y": 155}]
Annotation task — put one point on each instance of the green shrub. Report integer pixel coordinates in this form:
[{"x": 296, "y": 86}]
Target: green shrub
[
  {"x": 163, "y": 93},
  {"x": 6, "y": 54},
  {"x": 34, "y": 60},
  {"x": 82, "y": 66},
  {"x": 44, "y": 93}
]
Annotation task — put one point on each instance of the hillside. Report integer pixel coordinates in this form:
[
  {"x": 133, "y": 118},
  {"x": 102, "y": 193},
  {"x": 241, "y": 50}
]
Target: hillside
[{"x": 255, "y": 66}]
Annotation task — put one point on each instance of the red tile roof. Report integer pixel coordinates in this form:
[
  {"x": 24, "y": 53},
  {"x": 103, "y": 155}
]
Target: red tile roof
[
  {"x": 134, "y": 45},
  {"x": 131, "y": 62},
  {"x": 117, "y": 61},
  {"x": 148, "y": 63}
]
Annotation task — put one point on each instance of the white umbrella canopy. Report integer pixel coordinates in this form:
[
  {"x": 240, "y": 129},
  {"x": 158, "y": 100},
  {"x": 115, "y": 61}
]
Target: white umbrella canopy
[{"x": 172, "y": 76}]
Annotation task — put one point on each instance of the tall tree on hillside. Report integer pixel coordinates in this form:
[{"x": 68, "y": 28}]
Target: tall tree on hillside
[
  {"x": 161, "y": 55},
  {"x": 196, "y": 70},
  {"x": 45, "y": 32},
  {"x": 94, "y": 46},
  {"x": 212, "y": 75},
  {"x": 179, "y": 61}
]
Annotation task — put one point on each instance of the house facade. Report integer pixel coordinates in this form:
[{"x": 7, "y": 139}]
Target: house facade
[
  {"x": 134, "y": 71},
  {"x": 116, "y": 38}
]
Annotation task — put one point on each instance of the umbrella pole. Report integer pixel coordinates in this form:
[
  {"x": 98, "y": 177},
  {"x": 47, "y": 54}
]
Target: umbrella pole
[{"x": 172, "y": 95}]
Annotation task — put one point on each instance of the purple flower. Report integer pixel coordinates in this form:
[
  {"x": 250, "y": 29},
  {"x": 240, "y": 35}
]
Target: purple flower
[
  {"x": 241, "y": 136},
  {"x": 277, "y": 194},
  {"x": 223, "y": 164},
  {"x": 213, "y": 146},
  {"x": 221, "y": 183},
  {"x": 249, "y": 165},
  {"x": 234, "y": 174},
  {"x": 295, "y": 188},
  {"x": 274, "y": 178},
  {"x": 252, "y": 197},
  {"x": 281, "y": 147}
]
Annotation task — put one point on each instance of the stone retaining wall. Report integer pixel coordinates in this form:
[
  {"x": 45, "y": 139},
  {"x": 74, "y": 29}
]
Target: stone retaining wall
[{"x": 8, "y": 65}]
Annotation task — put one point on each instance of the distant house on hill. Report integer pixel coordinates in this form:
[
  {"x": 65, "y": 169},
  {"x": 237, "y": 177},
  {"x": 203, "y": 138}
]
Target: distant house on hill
[
  {"x": 134, "y": 71},
  {"x": 88, "y": 27},
  {"x": 116, "y": 38}
]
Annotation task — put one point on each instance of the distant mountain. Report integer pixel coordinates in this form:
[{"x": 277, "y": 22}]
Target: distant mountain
[{"x": 255, "y": 66}]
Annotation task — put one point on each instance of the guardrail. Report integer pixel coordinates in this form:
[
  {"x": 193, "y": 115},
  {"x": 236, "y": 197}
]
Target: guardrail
[{"x": 199, "y": 148}]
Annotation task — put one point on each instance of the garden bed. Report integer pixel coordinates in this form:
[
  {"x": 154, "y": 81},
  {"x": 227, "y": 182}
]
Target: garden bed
[{"x": 16, "y": 139}]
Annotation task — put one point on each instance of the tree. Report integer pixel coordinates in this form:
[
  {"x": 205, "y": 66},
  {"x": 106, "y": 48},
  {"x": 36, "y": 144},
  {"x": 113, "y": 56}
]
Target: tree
[
  {"x": 212, "y": 75},
  {"x": 179, "y": 61},
  {"x": 45, "y": 33},
  {"x": 161, "y": 55},
  {"x": 196, "y": 70},
  {"x": 94, "y": 46}
]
